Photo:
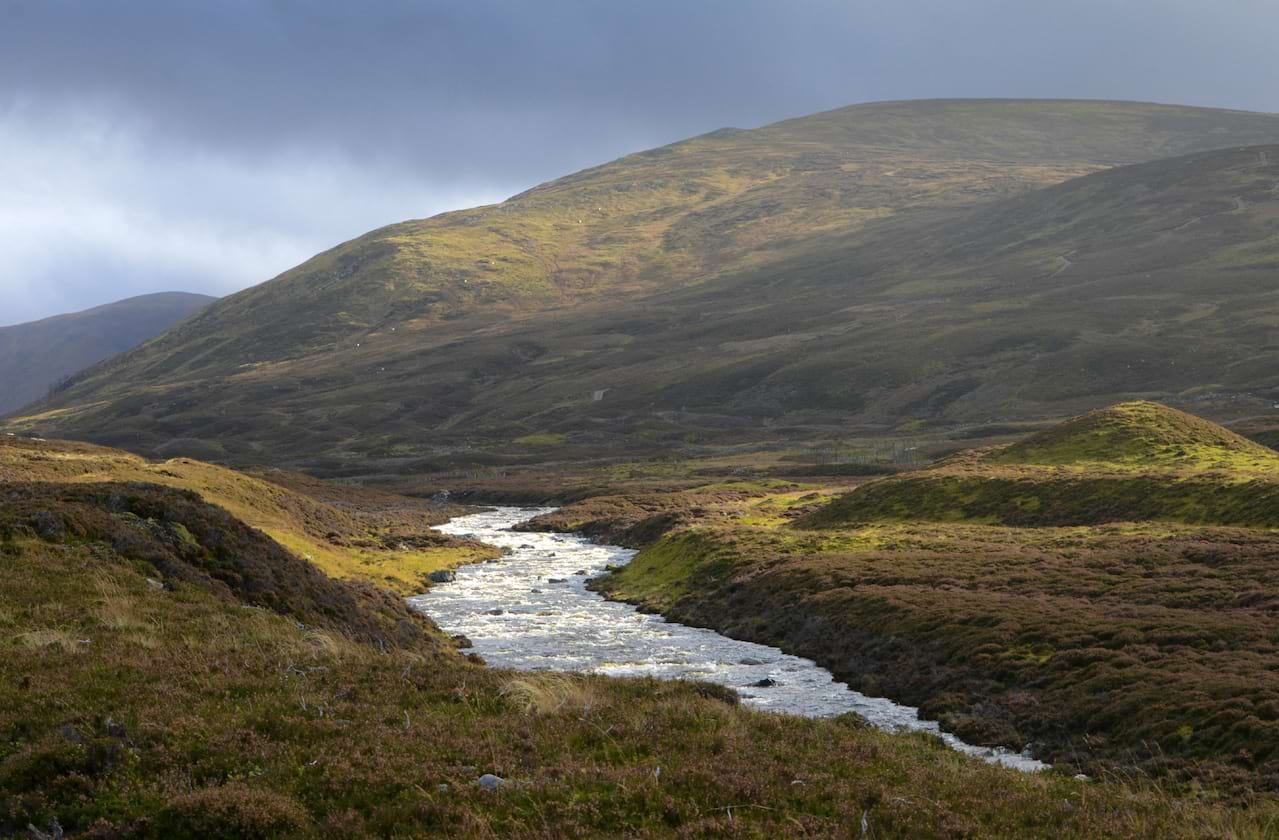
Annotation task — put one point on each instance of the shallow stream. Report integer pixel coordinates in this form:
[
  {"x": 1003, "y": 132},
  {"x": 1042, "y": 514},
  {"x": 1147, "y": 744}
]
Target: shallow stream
[{"x": 530, "y": 610}]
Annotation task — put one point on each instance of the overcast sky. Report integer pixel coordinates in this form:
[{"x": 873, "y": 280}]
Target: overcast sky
[{"x": 207, "y": 146}]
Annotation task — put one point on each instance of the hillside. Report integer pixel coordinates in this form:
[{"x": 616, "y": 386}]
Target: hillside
[
  {"x": 879, "y": 265},
  {"x": 168, "y": 671},
  {"x": 38, "y": 355},
  {"x": 1130, "y": 462},
  {"x": 349, "y": 533},
  {"x": 1103, "y": 591}
]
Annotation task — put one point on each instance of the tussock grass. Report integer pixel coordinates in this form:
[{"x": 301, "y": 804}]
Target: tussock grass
[
  {"x": 116, "y": 606},
  {"x": 63, "y": 640},
  {"x": 546, "y": 694},
  {"x": 314, "y": 714}
]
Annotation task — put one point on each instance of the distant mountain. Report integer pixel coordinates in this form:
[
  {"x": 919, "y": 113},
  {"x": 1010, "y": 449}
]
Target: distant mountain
[
  {"x": 877, "y": 267},
  {"x": 39, "y": 354}
]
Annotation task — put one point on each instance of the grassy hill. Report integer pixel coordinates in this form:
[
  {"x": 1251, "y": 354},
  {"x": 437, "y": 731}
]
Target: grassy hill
[
  {"x": 879, "y": 265},
  {"x": 349, "y": 533},
  {"x": 37, "y": 356},
  {"x": 168, "y": 670},
  {"x": 1130, "y": 462},
  {"x": 1103, "y": 590}
]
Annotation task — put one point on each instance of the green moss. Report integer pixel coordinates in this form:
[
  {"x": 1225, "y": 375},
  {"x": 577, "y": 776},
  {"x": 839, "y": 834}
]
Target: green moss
[
  {"x": 1141, "y": 434},
  {"x": 540, "y": 439}
]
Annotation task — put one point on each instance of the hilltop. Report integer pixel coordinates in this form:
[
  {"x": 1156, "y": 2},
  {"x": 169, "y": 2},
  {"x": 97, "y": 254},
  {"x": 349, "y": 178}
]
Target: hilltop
[
  {"x": 937, "y": 263},
  {"x": 38, "y": 356},
  {"x": 1130, "y": 462},
  {"x": 1140, "y": 434}
]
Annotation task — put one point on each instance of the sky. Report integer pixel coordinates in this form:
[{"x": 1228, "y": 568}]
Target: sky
[{"x": 208, "y": 146}]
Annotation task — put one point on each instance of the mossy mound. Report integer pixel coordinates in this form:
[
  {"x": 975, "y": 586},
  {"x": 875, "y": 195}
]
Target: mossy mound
[
  {"x": 1132, "y": 462},
  {"x": 1139, "y": 433}
]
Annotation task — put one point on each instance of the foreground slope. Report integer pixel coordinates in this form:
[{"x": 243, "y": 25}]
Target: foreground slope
[
  {"x": 350, "y": 533},
  {"x": 168, "y": 671},
  {"x": 776, "y": 273},
  {"x": 37, "y": 356},
  {"x": 1074, "y": 593}
]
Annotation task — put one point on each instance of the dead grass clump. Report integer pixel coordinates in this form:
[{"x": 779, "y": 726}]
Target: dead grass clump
[
  {"x": 50, "y": 638},
  {"x": 548, "y": 694},
  {"x": 117, "y": 608}
]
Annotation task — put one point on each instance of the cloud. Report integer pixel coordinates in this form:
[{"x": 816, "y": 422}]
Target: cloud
[{"x": 147, "y": 144}]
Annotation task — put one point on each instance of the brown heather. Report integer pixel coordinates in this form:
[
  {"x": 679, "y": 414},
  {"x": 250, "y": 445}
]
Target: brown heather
[{"x": 184, "y": 711}]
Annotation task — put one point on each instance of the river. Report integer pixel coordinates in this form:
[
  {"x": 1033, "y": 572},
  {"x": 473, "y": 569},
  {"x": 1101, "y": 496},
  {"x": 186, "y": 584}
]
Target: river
[{"x": 530, "y": 610}]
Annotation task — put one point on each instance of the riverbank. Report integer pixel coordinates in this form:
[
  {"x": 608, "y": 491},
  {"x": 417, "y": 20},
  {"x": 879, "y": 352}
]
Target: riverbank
[
  {"x": 168, "y": 669},
  {"x": 1026, "y": 596},
  {"x": 532, "y": 610},
  {"x": 157, "y": 680},
  {"x": 1010, "y": 637}
]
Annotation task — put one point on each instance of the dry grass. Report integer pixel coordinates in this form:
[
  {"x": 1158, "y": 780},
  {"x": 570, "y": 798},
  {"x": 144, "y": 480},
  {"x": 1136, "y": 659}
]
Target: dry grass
[
  {"x": 63, "y": 640},
  {"x": 549, "y": 694},
  {"x": 117, "y": 608}
]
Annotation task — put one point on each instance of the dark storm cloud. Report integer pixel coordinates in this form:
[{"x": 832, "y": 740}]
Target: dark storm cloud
[{"x": 210, "y": 145}]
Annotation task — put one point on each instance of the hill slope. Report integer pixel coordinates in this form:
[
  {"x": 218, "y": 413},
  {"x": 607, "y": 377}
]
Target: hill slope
[
  {"x": 36, "y": 355},
  {"x": 348, "y": 533},
  {"x": 875, "y": 264},
  {"x": 1130, "y": 462},
  {"x": 140, "y": 697}
]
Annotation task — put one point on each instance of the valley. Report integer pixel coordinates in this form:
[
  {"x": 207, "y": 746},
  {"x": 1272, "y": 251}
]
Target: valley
[
  {"x": 170, "y": 671},
  {"x": 845, "y": 468}
]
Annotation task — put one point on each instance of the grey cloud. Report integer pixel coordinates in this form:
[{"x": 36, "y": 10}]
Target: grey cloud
[{"x": 240, "y": 136}]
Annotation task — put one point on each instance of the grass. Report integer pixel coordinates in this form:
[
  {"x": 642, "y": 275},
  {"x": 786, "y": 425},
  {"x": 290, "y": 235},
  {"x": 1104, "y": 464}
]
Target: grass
[
  {"x": 271, "y": 700},
  {"x": 1130, "y": 462},
  {"x": 350, "y": 533},
  {"x": 1078, "y": 590},
  {"x": 1097, "y": 645}
]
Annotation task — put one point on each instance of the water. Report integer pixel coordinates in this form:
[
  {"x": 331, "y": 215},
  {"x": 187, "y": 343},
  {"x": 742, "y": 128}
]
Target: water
[{"x": 530, "y": 610}]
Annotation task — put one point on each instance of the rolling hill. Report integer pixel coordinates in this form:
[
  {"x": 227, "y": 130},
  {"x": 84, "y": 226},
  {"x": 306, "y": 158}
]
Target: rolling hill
[
  {"x": 1103, "y": 589},
  {"x": 168, "y": 669},
  {"x": 881, "y": 267},
  {"x": 1132, "y": 462},
  {"x": 37, "y": 355}
]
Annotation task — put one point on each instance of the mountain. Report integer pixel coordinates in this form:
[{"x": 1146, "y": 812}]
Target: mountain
[
  {"x": 39, "y": 354},
  {"x": 878, "y": 266}
]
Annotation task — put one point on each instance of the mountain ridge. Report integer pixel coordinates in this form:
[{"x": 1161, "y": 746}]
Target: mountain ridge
[
  {"x": 773, "y": 276},
  {"x": 36, "y": 355}
]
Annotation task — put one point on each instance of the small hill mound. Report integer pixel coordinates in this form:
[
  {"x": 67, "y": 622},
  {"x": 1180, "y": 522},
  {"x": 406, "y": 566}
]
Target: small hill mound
[
  {"x": 349, "y": 534},
  {"x": 1132, "y": 462},
  {"x": 1138, "y": 433}
]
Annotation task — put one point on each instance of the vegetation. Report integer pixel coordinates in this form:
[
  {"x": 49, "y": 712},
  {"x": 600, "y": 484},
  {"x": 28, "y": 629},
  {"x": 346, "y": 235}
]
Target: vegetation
[
  {"x": 142, "y": 694},
  {"x": 901, "y": 267},
  {"x": 1101, "y": 640},
  {"x": 350, "y": 533},
  {"x": 1102, "y": 648},
  {"x": 1130, "y": 462}
]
